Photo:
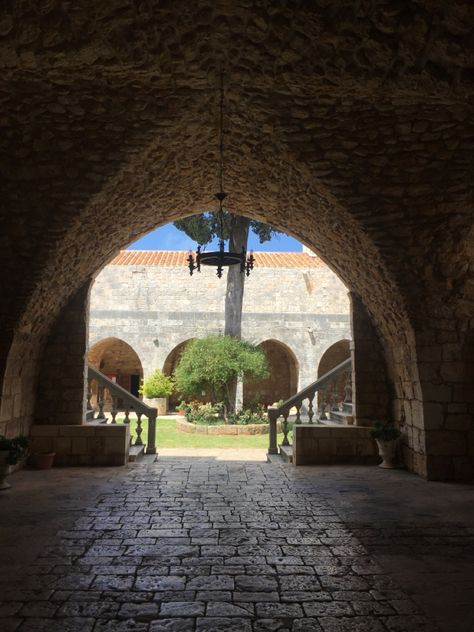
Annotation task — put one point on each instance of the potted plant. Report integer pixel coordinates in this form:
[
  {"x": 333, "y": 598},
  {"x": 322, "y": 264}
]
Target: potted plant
[
  {"x": 181, "y": 408},
  {"x": 156, "y": 389},
  {"x": 11, "y": 451},
  {"x": 387, "y": 438}
]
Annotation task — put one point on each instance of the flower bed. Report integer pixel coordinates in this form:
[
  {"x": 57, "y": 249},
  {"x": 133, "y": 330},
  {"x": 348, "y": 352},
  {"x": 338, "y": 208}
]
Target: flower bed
[{"x": 222, "y": 429}]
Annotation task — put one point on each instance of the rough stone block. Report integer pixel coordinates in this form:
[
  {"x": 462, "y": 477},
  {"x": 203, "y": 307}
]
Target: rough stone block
[{"x": 44, "y": 431}]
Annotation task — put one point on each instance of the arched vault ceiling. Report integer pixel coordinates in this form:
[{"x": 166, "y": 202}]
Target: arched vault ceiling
[{"x": 348, "y": 123}]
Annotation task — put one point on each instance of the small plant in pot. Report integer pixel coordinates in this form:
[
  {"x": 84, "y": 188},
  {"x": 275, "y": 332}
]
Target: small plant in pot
[
  {"x": 156, "y": 388},
  {"x": 387, "y": 438},
  {"x": 11, "y": 451}
]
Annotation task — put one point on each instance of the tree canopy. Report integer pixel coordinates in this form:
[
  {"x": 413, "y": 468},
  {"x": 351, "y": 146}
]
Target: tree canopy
[
  {"x": 202, "y": 228},
  {"x": 210, "y": 364}
]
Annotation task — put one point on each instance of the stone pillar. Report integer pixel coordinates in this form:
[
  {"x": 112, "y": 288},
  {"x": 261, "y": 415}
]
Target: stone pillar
[
  {"x": 370, "y": 386},
  {"x": 447, "y": 382},
  {"x": 61, "y": 395}
]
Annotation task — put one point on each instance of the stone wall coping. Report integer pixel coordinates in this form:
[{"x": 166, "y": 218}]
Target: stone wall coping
[
  {"x": 225, "y": 429},
  {"x": 336, "y": 430}
]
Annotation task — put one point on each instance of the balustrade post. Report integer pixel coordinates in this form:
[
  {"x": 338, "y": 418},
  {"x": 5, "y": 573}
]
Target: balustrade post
[
  {"x": 310, "y": 410},
  {"x": 100, "y": 401},
  {"x": 114, "y": 410},
  {"x": 139, "y": 430},
  {"x": 272, "y": 431},
  {"x": 348, "y": 389},
  {"x": 89, "y": 394},
  {"x": 151, "y": 443},
  {"x": 285, "y": 429}
]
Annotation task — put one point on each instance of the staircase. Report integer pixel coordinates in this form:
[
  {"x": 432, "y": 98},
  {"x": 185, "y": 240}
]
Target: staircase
[
  {"x": 137, "y": 447},
  {"x": 342, "y": 417},
  {"x": 330, "y": 412}
]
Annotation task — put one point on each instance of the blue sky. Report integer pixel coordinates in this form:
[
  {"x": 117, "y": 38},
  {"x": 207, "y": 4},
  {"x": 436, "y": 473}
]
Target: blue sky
[{"x": 169, "y": 238}]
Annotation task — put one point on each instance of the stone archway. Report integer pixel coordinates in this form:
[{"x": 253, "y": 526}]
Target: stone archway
[
  {"x": 347, "y": 128},
  {"x": 119, "y": 362},
  {"x": 170, "y": 364},
  {"x": 334, "y": 355},
  {"x": 282, "y": 381}
]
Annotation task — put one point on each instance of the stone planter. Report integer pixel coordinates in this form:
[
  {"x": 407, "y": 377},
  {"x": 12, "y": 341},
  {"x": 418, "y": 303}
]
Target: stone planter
[
  {"x": 160, "y": 403},
  {"x": 225, "y": 429},
  {"x": 4, "y": 469},
  {"x": 388, "y": 450}
]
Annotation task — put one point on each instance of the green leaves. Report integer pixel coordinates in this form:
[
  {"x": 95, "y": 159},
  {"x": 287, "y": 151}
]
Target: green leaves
[
  {"x": 384, "y": 431},
  {"x": 204, "y": 227},
  {"x": 157, "y": 385},
  {"x": 15, "y": 447},
  {"x": 210, "y": 364}
]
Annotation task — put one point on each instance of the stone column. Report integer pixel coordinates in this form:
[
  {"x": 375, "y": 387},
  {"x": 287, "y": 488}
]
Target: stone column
[
  {"x": 370, "y": 387},
  {"x": 447, "y": 381},
  {"x": 61, "y": 395}
]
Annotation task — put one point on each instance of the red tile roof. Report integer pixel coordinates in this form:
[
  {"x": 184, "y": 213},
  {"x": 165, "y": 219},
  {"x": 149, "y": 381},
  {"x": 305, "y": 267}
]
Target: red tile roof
[{"x": 178, "y": 258}]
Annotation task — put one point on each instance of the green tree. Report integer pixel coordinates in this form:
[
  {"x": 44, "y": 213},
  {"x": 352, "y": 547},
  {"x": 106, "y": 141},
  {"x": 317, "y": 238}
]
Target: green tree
[
  {"x": 203, "y": 228},
  {"x": 213, "y": 363}
]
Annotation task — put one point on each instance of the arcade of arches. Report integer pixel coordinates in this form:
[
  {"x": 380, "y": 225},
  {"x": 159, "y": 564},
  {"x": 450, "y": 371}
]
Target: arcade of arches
[
  {"x": 350, "y": 127},
  {"x": 282, "y": 381},
  {"x": 119, "y": 362},
  {"x": 337, "y": 353}
]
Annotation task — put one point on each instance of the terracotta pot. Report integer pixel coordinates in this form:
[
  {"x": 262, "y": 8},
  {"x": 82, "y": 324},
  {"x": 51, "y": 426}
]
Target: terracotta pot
[
  {"x": 43, "y": 460},
  {"x": 4, "y": 469}
]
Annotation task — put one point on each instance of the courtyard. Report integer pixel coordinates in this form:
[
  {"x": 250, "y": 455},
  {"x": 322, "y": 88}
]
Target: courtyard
[{"x": 213, "y": 540}]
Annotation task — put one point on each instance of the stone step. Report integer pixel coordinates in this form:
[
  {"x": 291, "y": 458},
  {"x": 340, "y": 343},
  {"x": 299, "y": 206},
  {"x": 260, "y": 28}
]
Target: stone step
[
  {"x": 347, "y": 407},
  {"x": 339, "y": 417},
  {"x": 136, "y": 453},
  {"x": 286, "y": 453}
]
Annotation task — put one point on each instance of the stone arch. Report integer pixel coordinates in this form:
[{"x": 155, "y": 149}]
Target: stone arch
[
  {"x": 289, "y": 184},
  {"x": 334, "y": 355},
  {"x": 315, "y": 147},
  {"x": 283, "y": 379},
  {"x": 119, "y": 361},
  {"x": 169, "y": 365}
]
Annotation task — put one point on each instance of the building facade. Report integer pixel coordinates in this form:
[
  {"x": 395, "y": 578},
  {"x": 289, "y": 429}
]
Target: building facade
[{"x": 146, "y": 303}]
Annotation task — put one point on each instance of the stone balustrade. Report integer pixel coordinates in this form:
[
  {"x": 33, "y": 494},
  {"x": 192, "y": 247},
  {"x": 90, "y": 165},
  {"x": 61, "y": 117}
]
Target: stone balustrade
[{"x": 131, "y": 403}]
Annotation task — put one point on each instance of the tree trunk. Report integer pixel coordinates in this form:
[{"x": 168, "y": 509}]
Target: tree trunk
[{"x": 239, "y": 233}]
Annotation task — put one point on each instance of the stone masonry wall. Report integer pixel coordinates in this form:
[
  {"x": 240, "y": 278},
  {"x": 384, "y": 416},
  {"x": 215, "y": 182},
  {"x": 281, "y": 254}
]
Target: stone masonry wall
[
  {"x": 371, "y": 396},
  {"x": 154, "y": 308},
  {"x": 61, "y": 385},
  {"x": 350, "y": 126}
]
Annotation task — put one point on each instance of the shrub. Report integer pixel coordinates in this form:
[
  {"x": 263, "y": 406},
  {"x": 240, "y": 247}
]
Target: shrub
[
  {"x": 207, "y": 414},
  {"x": 384, "y": 431},
  {"x": 157, "y": 385},
  {"x": 249, "y": 416},
  {"x": 15, "y": 447},
  {"x": 210, "y": 364}
]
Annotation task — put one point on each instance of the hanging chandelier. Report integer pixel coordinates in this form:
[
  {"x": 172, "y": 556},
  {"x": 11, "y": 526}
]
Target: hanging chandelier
[{"x": 221, "y": 258}]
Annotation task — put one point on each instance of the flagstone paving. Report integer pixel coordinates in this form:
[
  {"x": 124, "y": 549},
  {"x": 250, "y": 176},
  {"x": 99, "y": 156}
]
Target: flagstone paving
[{"x": 204, "y": 545}]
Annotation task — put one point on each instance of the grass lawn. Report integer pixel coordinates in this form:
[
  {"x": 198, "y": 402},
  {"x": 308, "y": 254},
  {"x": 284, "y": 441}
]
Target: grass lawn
[{"x": 168, "y": 437}]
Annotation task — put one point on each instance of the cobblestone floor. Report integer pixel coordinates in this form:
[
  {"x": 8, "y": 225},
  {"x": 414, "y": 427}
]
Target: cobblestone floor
[{"x": 199, "y": 544}]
